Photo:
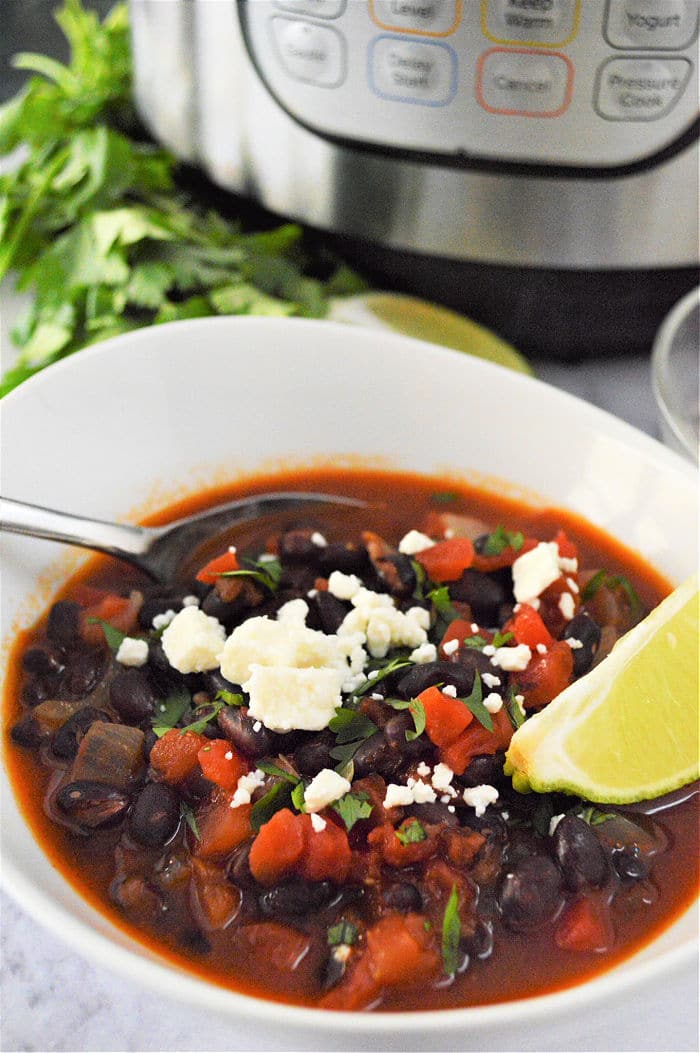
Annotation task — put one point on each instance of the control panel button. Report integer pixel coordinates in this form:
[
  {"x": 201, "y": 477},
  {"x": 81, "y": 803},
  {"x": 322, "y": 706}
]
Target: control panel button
[
  {"x": 409, "y": 71},
  {"x": 524, "y": 83},
  {"x": 652, "y": 24},
  {"x": 316, "y": 8},
  {"x": 549, "y": 22},
  {"x": 430, "y": 17},
  {"x": 630, "y": 89},
  {"x": 310, "y": 52}
]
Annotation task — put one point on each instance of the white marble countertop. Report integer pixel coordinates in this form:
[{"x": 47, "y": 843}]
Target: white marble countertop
[{"x": 53, "y": 999}]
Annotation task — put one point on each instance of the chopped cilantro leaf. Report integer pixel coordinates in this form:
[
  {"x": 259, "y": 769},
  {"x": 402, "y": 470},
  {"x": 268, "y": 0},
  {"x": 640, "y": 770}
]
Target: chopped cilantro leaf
[
  {"x": 417, "y": 711},
  {"x": 343, "y": 932},
  {"x": 170, "y": 711},
  {"x": 397, "y": 703},
  {"x": 114, "y": 637},
  {"x": 349, "y": 724},
  {"x": 276, "y": 798},
  {"x": 475, "y": 705},
  {"x": 265, "y": 571},
  {"x": 411, "y": 832},
  {"x": 421, "y": 576},
  {"x": 477, "y": 642},
  {"x": 188, "y": 815},
  {"x": 229, "y": 698},
  {"x": 500, "y": 539},
  {"x": 274, "y": 769},
  {"x": 200, "y": 725},
  {"x": 380, "y": 674},
  {"x": 298, "y": 796},
  {"x": 500, "y": 639},
  {"x": 517, "y": 717},
  {"x": 352, "y": 807},
  {"x": 451, "y": 934},
  {"x": 442, "y": 602},
  {"x": 593, "y": 816},
  {"x": 613, "y": 581}
]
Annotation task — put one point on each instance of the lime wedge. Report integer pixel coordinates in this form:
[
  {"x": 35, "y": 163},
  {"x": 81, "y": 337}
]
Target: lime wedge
[
  {"x": 426, "y": 321},
  {"x": 628, "y": 730}
]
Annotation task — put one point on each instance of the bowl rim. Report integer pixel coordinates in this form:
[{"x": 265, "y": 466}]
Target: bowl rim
[
  {"x": 660, "y": 352},
  {"x": 131, "y": 957}
]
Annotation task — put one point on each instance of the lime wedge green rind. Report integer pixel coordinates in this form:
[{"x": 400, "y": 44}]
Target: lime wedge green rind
[
  {"x": 427, "y": 321},
  {"x": 628, "y": 730}
]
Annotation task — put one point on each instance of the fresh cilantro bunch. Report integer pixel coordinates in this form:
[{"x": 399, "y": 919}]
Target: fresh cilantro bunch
[{"x": 93, "y": 225}]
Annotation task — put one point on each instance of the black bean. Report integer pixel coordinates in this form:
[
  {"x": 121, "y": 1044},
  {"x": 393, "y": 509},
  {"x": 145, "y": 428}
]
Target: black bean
[
  {"x": 395, "y": 731},
  {"x": 67, "y": 738},
  {"x": 41, "y": 663},
  {"x": 582, "y": 627},
  {"x": 155, "y": 815},
  {"x": 474, "y": 660},
  {"x": 149, "y": 740},
  {"x": 427, "y": 674},
  {"x": 435, "y": 812},
  {"x": 36, "y": 691},
  {"x": 314, "y": 754},
  {"x": 296, "y": 546},
  {"x": 345, "y": 558},
  {"x": 630, "y": 865},
  {"x": 483, "y": 771},
  {"x": 333, "y": 970},
  {"x": 194, "y": 940},
  {"x": 235, "y": 725},
  {"x": 479, "y": 944},
  {"x": 83, "y": 672},
  {"x": 491, "y": 824},
  {"x": 482, "y": 592},
  {"x": 226, "y": 613},
  {"x": 26, "y": 733},
  {"x": 157, "y": 605},
  {"x": 402, "y": 896},
  {"x": 579, "y": 853},
  {"x": 397, "y": 573},
  {"x": 238, "y": 869},
  {"x": 530, "y": 893},
  {"x": 376, "y": 755},
  {"x": 93, "y": 804},
  {"x": 64, "y": 623},
  {"x": 295, "y": 898},
  {"x": 331, "y": 611},
  {"x": 132, "y": 695}
]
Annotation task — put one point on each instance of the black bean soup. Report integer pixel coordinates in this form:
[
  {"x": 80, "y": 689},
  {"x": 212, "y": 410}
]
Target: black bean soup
[{"x": 284, "y": 770}]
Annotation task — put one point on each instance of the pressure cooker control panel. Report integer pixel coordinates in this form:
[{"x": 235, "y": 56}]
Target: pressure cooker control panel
[{"x": 595, "y": 83}]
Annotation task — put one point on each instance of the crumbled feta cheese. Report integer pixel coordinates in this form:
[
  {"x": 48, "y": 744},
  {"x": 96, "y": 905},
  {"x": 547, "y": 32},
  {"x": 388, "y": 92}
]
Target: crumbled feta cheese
[
  {"x": 190, "y": 601},
  {"x": 192, "y": 642},
  {"x": 512, "y": 659},
  {"x": 257, "y": 726},
  {"x": 318, "y": 539},
  {"x": 232, "y": 549},
  {"x": 554, "y": 823},
  {"x": 569, "y": 566},
  {"x": 286, "y": 698},
  {"x": 479, "y": 797},
  {"x": 490, "y": 680},
  {"x": 423, "y": 794},
  {"x": 132, "y": 652},
  {"x": 451, "y": 808},
  {"x": 450, "y": 647},
  {"x": 567, "y": 605},
  {"x": 423, "y": 768},
  {"x": 449, "y": 532},
  {"x": 312, "y": 594},
  {"x": 427, "y": 652},
  {"x": 573, "y": 587},
  {"x": 493, "y": 702},
  {"x": 397, "y": 796},
  {"x": 442, "y": 776},
  {"x": 450, "y": 690},
  {"x": 293, "y": 612},
  {"x": 318, "y": 822},
  {"x": 535, "y": 570},
  {"x": 541, "y": 648},
  {"x": 323, "y": 789},
  {"x": 343, "y": 586},
  {"x": 161, "y": 621},
  {"x": 414, "y": 542},
  {"x": 382, "y": 625},
  {"x": 246, "y": 786},
  {"x": 519, "y": 700},
  {"x": 573, "y": 643},
  {"x": 474, "y": 627},
  {"x": 267, "y": 557},
  {"x": 489, "y": 650},
  {"x": 228, "y": 755}
]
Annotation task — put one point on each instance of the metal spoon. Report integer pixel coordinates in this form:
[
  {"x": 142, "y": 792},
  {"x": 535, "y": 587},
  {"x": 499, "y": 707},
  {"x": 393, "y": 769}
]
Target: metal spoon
[{"x": 156, "y": 550}]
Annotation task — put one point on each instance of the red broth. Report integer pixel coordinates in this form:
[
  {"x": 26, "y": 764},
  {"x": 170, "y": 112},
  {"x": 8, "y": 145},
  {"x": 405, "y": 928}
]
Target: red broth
[{"x": 285, "y": 956}]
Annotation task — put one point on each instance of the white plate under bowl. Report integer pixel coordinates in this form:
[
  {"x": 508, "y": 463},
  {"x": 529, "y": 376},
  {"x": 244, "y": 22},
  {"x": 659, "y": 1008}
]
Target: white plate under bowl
[{"x": 142, "y": 419}]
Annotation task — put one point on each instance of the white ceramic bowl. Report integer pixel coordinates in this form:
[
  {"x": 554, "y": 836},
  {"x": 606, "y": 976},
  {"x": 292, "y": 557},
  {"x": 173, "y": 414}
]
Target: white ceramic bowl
[{"x": 129, "y": 425}]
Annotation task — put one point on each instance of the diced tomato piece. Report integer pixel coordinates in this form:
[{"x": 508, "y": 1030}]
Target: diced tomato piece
[
  {"x": 459, "y": 629},
  {"x": 445, "y": 717},
  {"x": 528, "y": 628},
  {"x": 216, "y": 900},
  {"x": 546, "y": 675},
  {"x": 400, "y": 950},
  {"x": 585, "y": 925},
  {"x": 326, "y": 852},
  {"x": 277, "y": 945},
  {"x": 119, "y": 611},
  {"x": 567, "y": 548},
  {"x": 446, "y": 560},
  {"x": 358, "y": 989},
  {"x": 278, "y": 847},
  {"x": 222, "y": 828},
  {"x": 463, "y": 845},
  {"x": 223, "y": 564},
  {"x": 397, "y": 854},
  {"x": 477, "y": 741},
  {"x": 174, "y": 756},
  {"x": 221, "y": 764}
]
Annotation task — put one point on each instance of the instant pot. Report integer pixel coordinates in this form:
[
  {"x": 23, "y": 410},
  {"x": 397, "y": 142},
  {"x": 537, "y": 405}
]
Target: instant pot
[{"x": 533, "y": 163}]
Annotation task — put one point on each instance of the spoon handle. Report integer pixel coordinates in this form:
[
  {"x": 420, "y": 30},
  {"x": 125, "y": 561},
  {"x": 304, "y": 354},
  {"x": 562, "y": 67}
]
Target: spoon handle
[{"x": 113, "y": 538}]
